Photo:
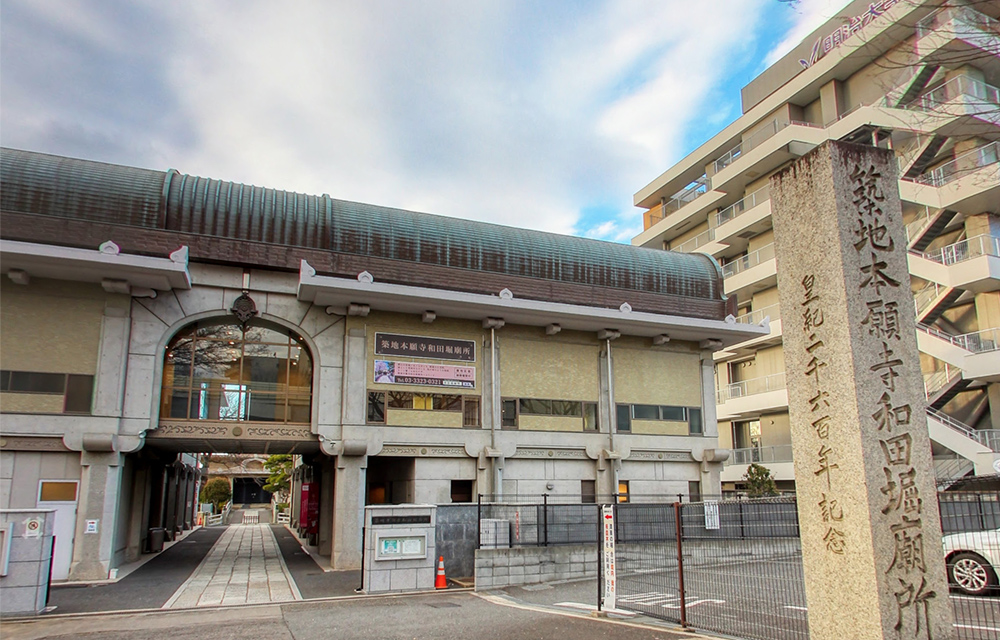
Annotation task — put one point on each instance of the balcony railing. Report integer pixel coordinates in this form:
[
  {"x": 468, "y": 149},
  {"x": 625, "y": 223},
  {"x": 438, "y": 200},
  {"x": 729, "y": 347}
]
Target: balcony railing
[
  {"x": 690, "y": 193},
  {"x": 778, "y": 453},
  {"x": 695, "y": 243},
  {"x": 967, "y": 15},
  {"x": 747, "y": 203},
  {"x": 755, "y": 140},
  {"x": 748, "y": 261},
  {"x": 757, "y": 316},
  {"x": 753, "y": 386},
  {"x": 918, "y": 223},
  {"x": 984, "y": 245},
  {"x": 937, "y": 380},
  {"x": 958, "y": 87},
  {"x": 926, "y": 296},
  {"x": 987, "y": 437},
  {"x": 962, "y": 165}
]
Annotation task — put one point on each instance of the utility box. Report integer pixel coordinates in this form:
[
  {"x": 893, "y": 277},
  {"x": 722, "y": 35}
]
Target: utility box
[{"x": 399, "y": 548}]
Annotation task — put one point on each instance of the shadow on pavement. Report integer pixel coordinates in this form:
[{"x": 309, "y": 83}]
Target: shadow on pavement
[
  {"x": 148, "y": 587},
  {"x": 311, "y": 580}
]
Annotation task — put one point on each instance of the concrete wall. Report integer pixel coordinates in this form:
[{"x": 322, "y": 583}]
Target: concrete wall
[
  {"x": 20, "y": 472},
  {"x": 24, "y": 589},
  {"x": 497, "y": 568}
]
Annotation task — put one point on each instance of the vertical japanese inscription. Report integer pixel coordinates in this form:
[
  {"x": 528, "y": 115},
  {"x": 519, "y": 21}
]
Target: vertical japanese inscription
[
  {"x": 879, "y": 281},
  {"x": 826, "y": 467}
]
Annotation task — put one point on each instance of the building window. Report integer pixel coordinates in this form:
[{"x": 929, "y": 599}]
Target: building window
[
  {"x": 590, "y": 422},
  {"x": 624, "y": 417},
  {"x": 215, "y": 370},
  {"x": 461, "y": 490},
  {"x": 77, "y": 390},
  {"x": 623, "y": 491},
  {"x": 376, "y": 407},
  {"x": 694, "y": 491},
  {"x": 588, "y": 491},
  {"x": 470, "y": 412},
  {"x": 694, "y": 421},
  {"x": 508, "y": 413}
]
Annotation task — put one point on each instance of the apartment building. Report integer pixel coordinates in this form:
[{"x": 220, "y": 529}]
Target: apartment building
[{"x": 920, "y": 78}]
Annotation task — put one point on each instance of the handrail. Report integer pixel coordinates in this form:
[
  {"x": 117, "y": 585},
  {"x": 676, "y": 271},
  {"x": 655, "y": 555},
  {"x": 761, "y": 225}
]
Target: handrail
[
  {"x": 757, "y": 315},
  {"x": 974, "y": 247},
  {"x": 748, "y": 261},
  {"x": 917, "y": 224},
  {"x": 755, "y": 140},
  {"x": 959, "y": 86},
  {"x": 738, "y": 208},
  {"x": 924, "y": 298},
  {"x": 692, "y": 244},
  {"x": 989, "y": 438},
  {"x": 937, "y": 380},
  {"x": 947, "y": 14},
  {"x": 961, "y": 165},
  {"x": 753, "y": 386},
  {"x": 748, "y": 455},
  {"x": 983, "y": 341},
  {"x": 691, "y": 192}
]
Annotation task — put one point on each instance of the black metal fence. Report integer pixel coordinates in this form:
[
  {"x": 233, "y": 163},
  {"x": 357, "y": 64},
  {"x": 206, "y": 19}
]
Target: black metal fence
[{"x": 735, "y": 566}]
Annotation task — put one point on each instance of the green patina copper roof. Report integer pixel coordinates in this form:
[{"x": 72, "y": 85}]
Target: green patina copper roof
[{"x": 42, "y": 184}]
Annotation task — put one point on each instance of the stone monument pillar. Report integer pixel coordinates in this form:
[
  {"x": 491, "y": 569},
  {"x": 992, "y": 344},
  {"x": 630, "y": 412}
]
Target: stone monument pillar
[{"x": 871, "y": 531}]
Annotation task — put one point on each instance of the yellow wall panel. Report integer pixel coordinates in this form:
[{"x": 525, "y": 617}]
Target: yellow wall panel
[
  {"x": 418, "y": 418},
  {"x": 659, "y": 428},
  {"x": 31, "y": 403},
  {"x": 657, "y": 376},
  {"x": 550, "y": 423},
  {"x": 552, "y": 368}
]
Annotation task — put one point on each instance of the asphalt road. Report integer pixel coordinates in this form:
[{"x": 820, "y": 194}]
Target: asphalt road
[{"x": 432, "y": 616}]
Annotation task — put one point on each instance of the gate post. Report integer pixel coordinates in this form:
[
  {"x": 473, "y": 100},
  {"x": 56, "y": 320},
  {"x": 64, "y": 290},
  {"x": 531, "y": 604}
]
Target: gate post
[{"x": 680, "y": 562}]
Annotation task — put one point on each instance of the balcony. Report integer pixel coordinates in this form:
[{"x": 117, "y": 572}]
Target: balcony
[
  {"x": 751, "y": 397},
  {"x": 756, "y": 317},
  {"x": 972, "y": 265},
  {"x": 778, "y": 459},
  {"x": 689, "y": 193},
  {"x": 953, "y": 33},
  {"x": 693, "y": 244},
  {"x": 973, "y": 353},
  {"x": 961, "y": 166},
  {"x": 754, "y": 271},
  {"x": 969, "y": 184}
]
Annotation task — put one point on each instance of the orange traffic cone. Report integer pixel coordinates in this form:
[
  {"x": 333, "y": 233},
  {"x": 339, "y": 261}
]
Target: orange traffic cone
[{"x": 441, "y": 582}]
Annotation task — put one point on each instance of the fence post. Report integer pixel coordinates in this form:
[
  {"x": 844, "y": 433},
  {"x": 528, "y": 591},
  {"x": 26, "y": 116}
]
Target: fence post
[
  {"x": 479, "y": 518},
  {"x": 743, "y": 532},
  {"x": 600, "y": 558},
  {"x": 680, "y": 562},
  {"x": 545, "y": 519}
]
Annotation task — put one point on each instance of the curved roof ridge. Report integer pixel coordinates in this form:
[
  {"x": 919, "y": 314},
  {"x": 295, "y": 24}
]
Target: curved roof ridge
[{"x": 45, "y": 184}]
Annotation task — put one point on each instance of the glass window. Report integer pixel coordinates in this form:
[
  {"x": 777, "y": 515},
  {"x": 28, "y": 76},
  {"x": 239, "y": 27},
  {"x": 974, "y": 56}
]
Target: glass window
[
  {"x": 645, "y": 412},
  {"x": 33, "y": 382},
  {"x": 536, "y": 407},
  {"x": 470, "y": 412},
  {"x": 447, "y": 402},
  {"x": 624, "y": 417},
  {"x": 694, "y": 420},
  {"x": 588, "y": 491},
  {"x": 623, "y": 491},
  {"x": 79, "y": 390},
  {"x": 567, "y": 408},
  {"x": 508, "y": 413},
  {"x": 400, "y": 400},
  {"x": 673, "y": 414},
  {"x": 590, "y": 416},
  {"x": 376, "y": 407},
  {"x": 215, "y": 371},
  {"x": 694, "y": 491},
  {"x": 461, "y": 490},
  {"x": 423, "y": 401}
]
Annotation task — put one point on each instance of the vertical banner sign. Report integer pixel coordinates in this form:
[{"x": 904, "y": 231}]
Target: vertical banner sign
[
  {"x": 608, "y": 556},
  {"x": 712, "y": 515},
  {"x": 309, "y": 507}
]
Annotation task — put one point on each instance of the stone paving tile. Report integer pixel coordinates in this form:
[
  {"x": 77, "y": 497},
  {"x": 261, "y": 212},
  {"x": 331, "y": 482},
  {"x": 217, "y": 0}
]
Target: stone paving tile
[{"x": 244, "y": 566}]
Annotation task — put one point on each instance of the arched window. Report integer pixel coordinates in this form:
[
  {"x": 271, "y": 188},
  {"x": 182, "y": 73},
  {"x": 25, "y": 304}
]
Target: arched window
[{"x": 215, "y": 371}]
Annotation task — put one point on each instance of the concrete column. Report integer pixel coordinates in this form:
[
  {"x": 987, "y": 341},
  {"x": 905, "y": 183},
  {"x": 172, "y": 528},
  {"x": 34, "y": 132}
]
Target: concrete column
[
  {"x": 607, "y": 467},
  {"x": 830, "y": 101},
  {"x": 295, "y": 496},
  {"x": 100, "y": 483},
  {"x": 326, "y": 500},
  {"x": 870, "y": 527},
  {"x": 112, "y": 357},
  {"x": 170, "y": 501},
  {"x": 709, "y": 417},
  {"x": 348, "y": 511}
]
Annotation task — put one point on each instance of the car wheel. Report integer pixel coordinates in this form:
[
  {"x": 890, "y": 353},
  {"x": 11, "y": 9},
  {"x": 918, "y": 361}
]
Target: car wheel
[{"x": 970, "y": 573}]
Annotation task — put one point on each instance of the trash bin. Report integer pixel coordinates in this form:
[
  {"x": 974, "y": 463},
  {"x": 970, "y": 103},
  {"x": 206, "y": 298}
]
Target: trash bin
[{"x": 156, "y": 537}]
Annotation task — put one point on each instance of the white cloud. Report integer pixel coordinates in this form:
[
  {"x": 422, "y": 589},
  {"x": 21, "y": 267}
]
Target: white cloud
[
  {"x": 525, "y": 114},
  {"x": 810, "y": 15}
]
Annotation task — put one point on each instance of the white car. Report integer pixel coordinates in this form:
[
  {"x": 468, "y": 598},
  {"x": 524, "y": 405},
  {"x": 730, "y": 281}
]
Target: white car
[{"x": 973, "y": 559}]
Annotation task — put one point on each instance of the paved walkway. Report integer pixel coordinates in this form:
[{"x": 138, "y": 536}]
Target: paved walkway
[{"x": 244, "y": 566}]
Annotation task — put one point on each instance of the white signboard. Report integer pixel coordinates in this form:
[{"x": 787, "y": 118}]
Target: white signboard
[
  {"x": 712, "y": 515},
  {"x": 608, "y": 557}
]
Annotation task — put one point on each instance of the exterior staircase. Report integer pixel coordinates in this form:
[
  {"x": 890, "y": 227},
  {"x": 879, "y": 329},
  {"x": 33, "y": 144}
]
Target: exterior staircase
[
  {"x": 922, "y": 238},
  {"x": 925, "y": 157},
  {"x": 917, "y": 83}
]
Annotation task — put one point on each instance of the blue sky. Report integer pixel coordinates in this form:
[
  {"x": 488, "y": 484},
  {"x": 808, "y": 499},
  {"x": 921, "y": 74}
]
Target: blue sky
[{"x": 541, "y": 114}]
